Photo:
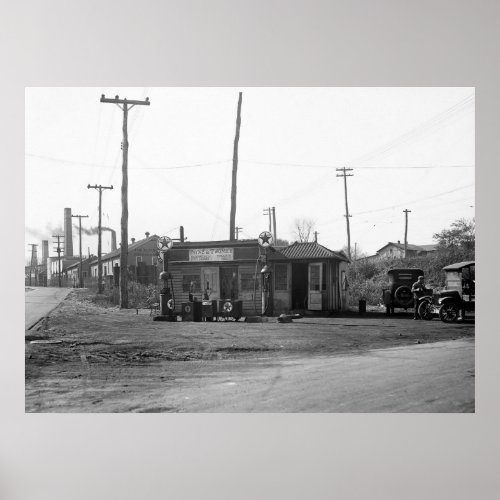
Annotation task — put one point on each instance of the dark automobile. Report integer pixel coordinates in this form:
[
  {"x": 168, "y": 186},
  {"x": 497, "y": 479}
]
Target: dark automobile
[
  {"x": 399, "y": 293},
  {"x": 459, "y": 294}
]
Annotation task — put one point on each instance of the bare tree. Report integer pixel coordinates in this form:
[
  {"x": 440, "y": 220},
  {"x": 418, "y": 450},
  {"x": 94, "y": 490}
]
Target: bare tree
[
  {"x": 280, "y": 242},
  {"x": 303, "y": 229}
]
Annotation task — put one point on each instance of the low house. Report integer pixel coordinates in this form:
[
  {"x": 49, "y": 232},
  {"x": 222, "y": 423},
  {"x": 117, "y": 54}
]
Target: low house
[
  {"x": 302, "y": 275},
  {"x": 397, "y": 250},
  {"x": 73, "y": 270},
  {"x": 57, "y": 268},
  {"x": 142, "y": 261}
]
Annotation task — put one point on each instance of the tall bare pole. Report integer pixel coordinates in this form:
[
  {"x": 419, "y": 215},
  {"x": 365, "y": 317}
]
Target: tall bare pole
[
  {"x": 268, "y": 212},
  {"x": 232, "y": 219},
  {"x": 345, "y": 175},
  {"x": 125, "y": 105},
  {"x": 99, "y": 237},
  {"x": 406, "y": 212},
  {"x": 58, "y": 250},
  {"x": 34, "y": 261},
  {"x": 80, "y": 272},
  {"x": 274, "y": 225}
]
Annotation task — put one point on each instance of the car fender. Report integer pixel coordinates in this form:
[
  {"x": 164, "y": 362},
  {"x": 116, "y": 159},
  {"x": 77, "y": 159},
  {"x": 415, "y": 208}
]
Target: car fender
[
  {"x": 446, "y": 300},
  {"x": 426, "y": 298}
]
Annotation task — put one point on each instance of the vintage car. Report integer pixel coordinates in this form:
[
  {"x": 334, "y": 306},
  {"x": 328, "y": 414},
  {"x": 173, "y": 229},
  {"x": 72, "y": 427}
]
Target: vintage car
[
  {"x": 399, "y": 293},
  {"x": 458, "y": 297}
]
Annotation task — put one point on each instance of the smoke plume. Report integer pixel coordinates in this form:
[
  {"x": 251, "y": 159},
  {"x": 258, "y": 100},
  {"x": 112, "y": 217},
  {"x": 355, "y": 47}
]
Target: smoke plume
[{"x": 93, "y": 230}]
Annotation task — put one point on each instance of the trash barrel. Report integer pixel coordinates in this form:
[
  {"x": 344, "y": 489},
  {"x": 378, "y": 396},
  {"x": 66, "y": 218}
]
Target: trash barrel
[{"x": 362, "y": 306}]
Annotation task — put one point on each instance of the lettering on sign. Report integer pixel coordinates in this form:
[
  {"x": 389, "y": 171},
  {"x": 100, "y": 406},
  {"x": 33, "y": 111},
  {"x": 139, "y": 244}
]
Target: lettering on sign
[{"x": 211, "y": 254}]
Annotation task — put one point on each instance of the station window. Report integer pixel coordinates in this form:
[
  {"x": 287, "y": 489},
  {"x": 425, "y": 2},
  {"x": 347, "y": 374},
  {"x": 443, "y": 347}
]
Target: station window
[{"x": 280, "y": 277}]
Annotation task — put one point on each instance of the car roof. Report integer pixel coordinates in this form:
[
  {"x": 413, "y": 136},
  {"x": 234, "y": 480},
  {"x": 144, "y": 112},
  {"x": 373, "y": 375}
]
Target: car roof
[
  {"x": 405, "y": 270},
  {"x": 459, "y": 265}
]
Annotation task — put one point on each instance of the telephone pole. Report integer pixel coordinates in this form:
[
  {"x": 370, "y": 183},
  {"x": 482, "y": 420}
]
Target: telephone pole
[
  {"x": 268, "y": 211},
  {"x": 274, "y": 224},
  {"x": 125, "y": 105},
  {"x": 80, "y": 273},
  {"x": 34, "y": 261},
  {"x": 345, "y": 176},
  {"x": 58, "y": 249},
  {"x": 406, "y": 212},
  {"x": 232, "y": 216},
  {"x": 99, "y": 266}
]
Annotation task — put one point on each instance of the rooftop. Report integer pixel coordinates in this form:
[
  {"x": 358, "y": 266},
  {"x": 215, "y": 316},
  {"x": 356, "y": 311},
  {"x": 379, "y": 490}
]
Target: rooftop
[{"x": 311, "y": 250}]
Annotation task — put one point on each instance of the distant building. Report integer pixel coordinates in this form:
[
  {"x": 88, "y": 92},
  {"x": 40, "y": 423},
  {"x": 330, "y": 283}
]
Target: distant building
[
  {"x": 53, "y": 268},
  {"x": 142, "y": 261},
  {"x": 73, "y": 270},
  {"x": 397, "y": 250}
]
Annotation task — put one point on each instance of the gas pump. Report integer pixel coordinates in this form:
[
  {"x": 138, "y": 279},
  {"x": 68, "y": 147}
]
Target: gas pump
[
  {"x": 167, "y": 299},
  {"x": 265, "y": 240}
]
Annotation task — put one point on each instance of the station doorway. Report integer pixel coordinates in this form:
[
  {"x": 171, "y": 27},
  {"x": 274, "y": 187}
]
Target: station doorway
[{"x": 300, "y": 272}]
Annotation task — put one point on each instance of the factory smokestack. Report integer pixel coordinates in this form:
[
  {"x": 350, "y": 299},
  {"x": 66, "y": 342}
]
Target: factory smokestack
[
  {"x": 45, "y": 251},
  {"x": 113, "y": 240},
  {"x": 68, "y": 233}
]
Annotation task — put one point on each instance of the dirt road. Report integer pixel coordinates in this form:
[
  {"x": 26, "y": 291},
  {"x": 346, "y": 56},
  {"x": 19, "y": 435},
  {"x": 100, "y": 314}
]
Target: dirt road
[{"x": 102, "y": 359}]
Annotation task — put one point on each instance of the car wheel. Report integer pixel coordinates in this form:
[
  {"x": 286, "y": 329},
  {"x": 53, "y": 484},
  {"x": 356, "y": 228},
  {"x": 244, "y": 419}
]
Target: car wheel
[
  {"x": 426, "y": 310},
  {"x": 448, "y": 312}
]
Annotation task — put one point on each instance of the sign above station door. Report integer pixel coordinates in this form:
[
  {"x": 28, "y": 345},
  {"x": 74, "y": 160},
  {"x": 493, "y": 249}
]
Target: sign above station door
[{"x": 211, "y": 254}]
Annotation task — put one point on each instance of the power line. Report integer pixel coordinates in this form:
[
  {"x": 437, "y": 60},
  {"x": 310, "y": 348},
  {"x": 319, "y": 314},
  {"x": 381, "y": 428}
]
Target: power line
[
  {"x": 392, "y": 207},
  {"x": 85, "y": 164},
  {"x": 415, "y": 201},
  {"x": 421, "y": 129},
  {"x": 310, "y": 165}
]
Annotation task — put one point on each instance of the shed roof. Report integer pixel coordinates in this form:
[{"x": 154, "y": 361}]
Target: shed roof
[
  {"x": 459, "y": 265},
  {"x": 311, "y": 250}
]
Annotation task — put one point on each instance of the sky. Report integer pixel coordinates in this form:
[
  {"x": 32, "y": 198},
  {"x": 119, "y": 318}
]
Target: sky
[{"x": 409, "y": 148}]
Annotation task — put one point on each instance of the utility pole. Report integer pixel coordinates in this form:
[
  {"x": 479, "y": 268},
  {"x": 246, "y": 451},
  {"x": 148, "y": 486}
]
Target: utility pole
[
  {"x": 99, "y": 266},
  {"x": 267, "y": 211},
  {"x": 274, "y": 224},
  {"x": 34, "y": 261},
  {"x": 80, "y": 274},
  {"x": 345, "y": 175},
  {"x": 406, "y": 212},
  {"x": 237, "y": 230},
  {"x": 125, "y": 105},
  {"x": 232, "y": 218},
  {"x": 58, "y": 249}
]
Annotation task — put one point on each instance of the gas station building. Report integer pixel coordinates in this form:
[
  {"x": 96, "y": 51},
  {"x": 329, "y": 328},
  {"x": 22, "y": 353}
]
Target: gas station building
[{"x": 302, "y": 276}]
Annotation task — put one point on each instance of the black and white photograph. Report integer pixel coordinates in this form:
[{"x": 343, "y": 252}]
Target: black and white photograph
[
  {"x": 249, "y": 233},
  {"x": 250, "y": 250}
]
